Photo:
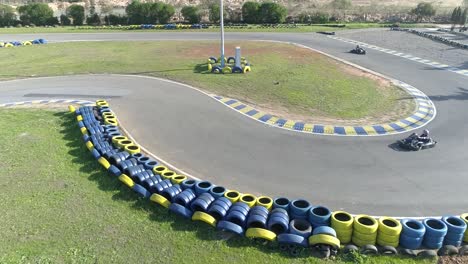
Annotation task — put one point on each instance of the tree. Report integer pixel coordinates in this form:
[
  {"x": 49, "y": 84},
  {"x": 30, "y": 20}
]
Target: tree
[
  {"x": 7, "y": 15},
  {"x": 250, "y": 12},
  {"x": 94, "y": 20},
  {"x": 455, "y": 18},
  {"x": 76, "y": 12},
  {"x": 134, "y": 12},
  {"x": 272, "y": 13},
  {"x": 423, "y": 10},
  {"x": 36, "y": 13},
  {"x": 191, "y": 13},
  {"x": 64, "y": 20},
  {"x": 214, "y": 10},
  {"x": 463, "y": 17},
  {"x": 165, "y": 13}
]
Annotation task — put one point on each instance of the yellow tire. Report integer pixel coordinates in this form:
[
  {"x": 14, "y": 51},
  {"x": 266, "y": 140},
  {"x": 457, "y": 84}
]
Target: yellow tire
[
  {"x": 232, "y": 195},
  {"x": 178, "y": 179},
  {"x": 9, "y": 45},
  {"x": 389, "y": 226},
  {"x": 204, "y": 217},
  {"x": 265, "y": 201},
  {"x": 84, "y": 131},
  {"x": 388, "y": 241},
  {"x": 132, "y": 149},
  {"x": 247, "y": 69},
  {"x": 71, "y": 108},
  {"x": 366, "y": 237},
  {"x": 324, "y": 239},
  {"x": 248, "y": 199},
  {"x": 464, "y": 217},
  {"x": 101, "y": 101},
  {"x": 386, "y": 237},
  {"x": 108, "y": 115},
  {"x": 255, "y": 232},
  {"x": 126, "y": 180},
  {"x": 117, "y": 138},
  {"x": 111, "y": 122},
  {"x": 27, "y": 43},
  {"x": 168, "y": 174},
  {"x": 360, "y": 242},
  {"x": 210, "y": 67},
  {"x": 465, "y": 238},
  {"x": 161, "y": 200},
  {"x": 160, "y": 170},
  {"x": 124, "y": 142},
  {"x": 227, "y": 69},
  {"x": 365, "y": 224},
  {"x": 89, "y": 145},
  {"x": 341, "y": 220},
  {"x": 104, "y": 162},
  {"x": 344, "y": 238},
  {"x": 79, "y": 118}
]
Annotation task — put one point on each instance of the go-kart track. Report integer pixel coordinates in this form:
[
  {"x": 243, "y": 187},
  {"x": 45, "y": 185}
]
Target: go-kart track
[{"x": 206, "y": 139}]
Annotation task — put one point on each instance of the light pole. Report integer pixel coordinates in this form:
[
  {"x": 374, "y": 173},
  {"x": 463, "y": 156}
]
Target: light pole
[{"x": 221, "y": 19}]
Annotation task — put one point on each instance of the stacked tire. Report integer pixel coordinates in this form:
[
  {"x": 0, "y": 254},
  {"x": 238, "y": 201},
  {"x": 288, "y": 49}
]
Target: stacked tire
[
  {"x": 342, "y": 222},
  {"x": 364, "y": 230},
  {"x": 388, "y": 233},
  {"x": 464, "y": 217},
  {"x": 412, "y": 234},
  {"x": 436, "y": 230},
  {"x": 456, "y": 229}
]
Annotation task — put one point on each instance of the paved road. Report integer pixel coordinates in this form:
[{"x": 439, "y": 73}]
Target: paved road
[{"x": 210, "y": 141}]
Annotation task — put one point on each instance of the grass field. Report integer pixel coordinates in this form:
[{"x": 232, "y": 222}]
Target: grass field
[
  {"x": 252, "y": 28},
  {"x": 285, "y": 78},
  {"x": 59, "y": 206}
]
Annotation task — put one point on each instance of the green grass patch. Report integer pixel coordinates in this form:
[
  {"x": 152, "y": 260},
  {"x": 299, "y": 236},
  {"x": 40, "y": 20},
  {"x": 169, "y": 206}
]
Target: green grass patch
[
  {"x": 283, "y": 76},
  {"x": 60, "y": 206}
]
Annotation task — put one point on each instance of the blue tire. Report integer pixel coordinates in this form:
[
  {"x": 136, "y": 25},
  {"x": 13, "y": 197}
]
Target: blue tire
[
  {"x": 80, "y": 124},
  {"x": 241, "y": 207},
  {"x": 412, "y": 228},
  {"x": 141, "y": 191},
  {"x": 171, "y": 192},
  {"x": 162, "y": 185},
  {"x": 278, "y": 224},
  {"x": 299, "y": 209},
  {"x": 454, "y": 237},
  {"x": 117, "y": 158},
  {"x": 319, "y": 216},
  {"x": 236, "y": 69},
  {"x": 455, "y": 243},
  {"x": 455, "y": 225},
  {"x": 185, "y": 197},
  {"x": 231, "y": 59},
  {"x": 150, "y": 183},
  {"x": 95, "y": 153},
  {"x": 292, "y": 239},
  {"x": 281, "y": 202},
  {"x": 202, "y": 202},
  {"x": 142, "y": 176},
  {"x": 230, "y": 227},
  {"x": 256, "y": 221},
  {"x": 181, "y": 210},
  {"x": 300, "y": 227},
  {"x": 326, "y": 230},
  {"x": 214, "y": 60},
  {"x": 134, "y": 170},
  {"x": 86, "y": 138},
  {"x": 432, "y": 245},
  {"x": 188, "y": 184},
  {"x": 114, "y": 171},
  {"x": 410, "y": 242},
  {"x": 150, "y": 164},
  {"x": 434, "y": 227},
  {"x": 219, "y": 208},
  {"x": 202, "y": 187},
  {"x": 236, "y": 217},
  {"x": 108, "y": 151},
  {"x": 137, "y": 155},
  {"x": 217, "y": 191},
  {"x": 143, "y": 159},
  {"x": 127, "y": 163}
]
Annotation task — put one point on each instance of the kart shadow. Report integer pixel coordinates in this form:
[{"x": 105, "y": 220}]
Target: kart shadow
[{"x": 395, "y": 146}]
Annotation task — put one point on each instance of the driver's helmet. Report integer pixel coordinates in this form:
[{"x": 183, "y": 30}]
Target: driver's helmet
[
  {"x": 357, "y": 47},
  {"x": 425, "y": 132}
]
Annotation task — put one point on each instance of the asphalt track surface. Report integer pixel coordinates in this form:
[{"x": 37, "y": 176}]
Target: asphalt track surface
[{"x": 210, "y": 141}]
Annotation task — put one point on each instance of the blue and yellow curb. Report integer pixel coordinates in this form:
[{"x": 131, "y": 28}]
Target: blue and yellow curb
[
  {"x": 425, "y": 113},
  {"x": 54, "y": 101}
]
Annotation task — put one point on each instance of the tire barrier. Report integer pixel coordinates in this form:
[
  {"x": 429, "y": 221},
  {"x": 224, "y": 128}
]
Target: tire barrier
[
  {"x": 299, "y": 209},
  {"x": 456, "y": 229},
  {"x": 23, "y": 43},
  {"x": 446, "y": 41},
  {"x": 294, "y": 224},
  {"x": 412, "y": 234},
  {"x": 278, "y": 221},
  {"x": 342, "y": 222},
  {"x": 364, "y": 230},
  {"x": 465, "y": 218},
  {"x": 435, "y": 233},
  {"x": 214, "y": 65},
  {"x": 388, "y": 233},
  {"x": 319, "y": 216}
]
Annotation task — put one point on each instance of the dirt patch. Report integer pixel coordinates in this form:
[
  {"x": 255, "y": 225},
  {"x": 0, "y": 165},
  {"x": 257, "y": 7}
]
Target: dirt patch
[{"x": 453, "y": 260}]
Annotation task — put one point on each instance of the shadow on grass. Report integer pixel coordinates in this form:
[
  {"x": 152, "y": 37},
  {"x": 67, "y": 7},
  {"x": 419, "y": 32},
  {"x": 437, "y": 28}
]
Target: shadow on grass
[{"x": 201, "y": 68}]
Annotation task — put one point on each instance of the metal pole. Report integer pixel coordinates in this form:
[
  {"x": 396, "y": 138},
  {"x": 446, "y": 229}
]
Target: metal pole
[{"x": 221, "y": 19}]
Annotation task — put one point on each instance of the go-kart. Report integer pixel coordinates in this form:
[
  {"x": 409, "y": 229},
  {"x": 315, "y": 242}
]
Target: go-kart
[
  {"x": 359, "y": 51},
  {"x": 413, "y": 143}
]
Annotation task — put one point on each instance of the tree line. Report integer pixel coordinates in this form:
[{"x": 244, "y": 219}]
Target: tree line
[{"x": 137, "y": 12}]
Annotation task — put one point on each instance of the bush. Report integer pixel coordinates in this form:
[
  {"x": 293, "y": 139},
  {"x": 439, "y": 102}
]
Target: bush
[
  {"x": 149, "y": 13},
  {"x": 76, "y": 12},
  {"x": 36, "y": 13},
  {"x": 93, "y": 20},
  {"x": 272, "y": 13},
  {"x": 52, "y": 21},
  {"x": 250, "y": 11},
  {"x": 115, "y": 20},
  {"x": 191, "y": 13},
  {"x": 64, "y": 20}
]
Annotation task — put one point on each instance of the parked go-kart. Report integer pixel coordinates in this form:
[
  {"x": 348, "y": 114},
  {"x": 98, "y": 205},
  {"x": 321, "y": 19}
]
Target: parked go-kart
[
  {"x": 413, "y": 143},
  {"x": 359, "y": 51}
]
